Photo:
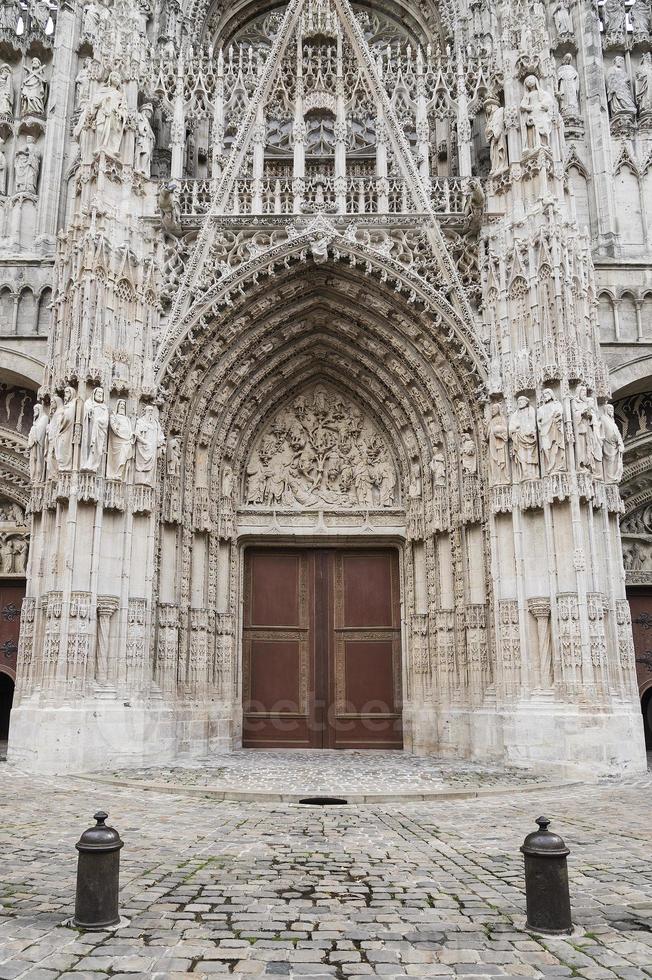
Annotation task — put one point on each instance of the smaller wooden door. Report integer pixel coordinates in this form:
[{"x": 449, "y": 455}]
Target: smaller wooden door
[{"x": 321, "y": 649}]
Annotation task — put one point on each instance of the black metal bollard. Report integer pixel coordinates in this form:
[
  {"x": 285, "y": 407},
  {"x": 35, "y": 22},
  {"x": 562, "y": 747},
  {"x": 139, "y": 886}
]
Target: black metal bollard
[
  {"x": 98, "y": 876},
  {"x": 546, "y": 882}
]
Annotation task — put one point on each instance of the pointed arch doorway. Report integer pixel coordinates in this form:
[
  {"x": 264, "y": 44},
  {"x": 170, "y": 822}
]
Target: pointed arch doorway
[{"x": 322, "y": 648}]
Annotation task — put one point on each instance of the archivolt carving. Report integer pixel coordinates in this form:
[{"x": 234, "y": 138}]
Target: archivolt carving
[
  {"x": 321, "y": 449},
  {"x": 388, "y": 258}
]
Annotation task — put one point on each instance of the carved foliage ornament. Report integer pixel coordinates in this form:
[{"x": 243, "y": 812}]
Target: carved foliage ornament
[{"x": 321, "y": 450}]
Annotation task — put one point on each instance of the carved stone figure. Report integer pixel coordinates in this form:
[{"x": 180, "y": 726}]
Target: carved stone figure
[
  {"x": 6, "y": 91},
  {"x": 438, "y": 467},
  {"x": 639, "y": 18},
  {"x": 90, "y": 21},
  {"x": 498, "y": 437},
  {"x": 496, "y": 135},
  {"x": 538, "y": 108},
  {"x": 523, "y": 433},
  {"x": 173, "y": 457},
  {"x": 83, "y": 84},
  {"x": 169, "y": 209},
  {"x": 3, "y": 169},
  {"x": 613, "y": 13},
  {"x": 612, "y": 447},
  {"x": 469, "y": 454},
  {"x": 27, "y": 164},
  {"x": 7, "y": 555},
  {"x": 149, "y": 446},
  {"x": 550, "y": 419},
  {"x": 562, "y": 18},
  {"x": 643, "y": 86},
  {"x": 568, "y": 88},
  {"x": 11, "y": 513},
  {"x": 54, "y": 421},
  {"x": 588, "y": 432},
  {"x": 32, "y": 92},
  {"x": 121, "y": 442},
  {"x": 36, "y": 443},
  {"x": 21, "y": 549},
  {"x": 41, "y": 14},
  {"x": 320, "y": 451},
  {"x": 94, "y": 435},
  {"x": 619, "y": 91},
  {"x": 65, "y": 437},
  {"x": 106, "y": 116},
  {"x": 226, "y": 488},
  {"x": 144, "y": 141}
]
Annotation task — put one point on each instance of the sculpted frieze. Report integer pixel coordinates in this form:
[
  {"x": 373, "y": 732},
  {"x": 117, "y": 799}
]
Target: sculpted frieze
[{"x": 321, "y": 450}]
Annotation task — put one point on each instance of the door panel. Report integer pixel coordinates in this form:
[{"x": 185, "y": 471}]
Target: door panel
[
  {"x": 322, "y": 649},
  {"x": 366, "y": 690},
  {"x": 11, "y": 599},
  {"x": 277, "y": 650}
]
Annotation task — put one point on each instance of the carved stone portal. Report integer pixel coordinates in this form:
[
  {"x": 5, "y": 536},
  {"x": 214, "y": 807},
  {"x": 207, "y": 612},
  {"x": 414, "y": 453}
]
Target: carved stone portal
[{"x": 321, "y": 450}]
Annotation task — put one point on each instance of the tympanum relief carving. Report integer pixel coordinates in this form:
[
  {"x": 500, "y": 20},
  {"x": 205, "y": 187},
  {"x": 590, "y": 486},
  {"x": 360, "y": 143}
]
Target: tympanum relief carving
[{"x": 321, "y": 451}]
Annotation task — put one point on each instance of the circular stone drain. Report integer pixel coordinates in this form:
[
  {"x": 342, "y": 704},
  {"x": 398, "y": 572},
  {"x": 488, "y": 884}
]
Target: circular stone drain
[{"x": 323, "y": 801}]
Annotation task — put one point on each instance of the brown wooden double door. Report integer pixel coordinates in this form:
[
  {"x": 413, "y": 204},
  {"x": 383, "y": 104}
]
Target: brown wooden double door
[{"x": 322, "y": 649}]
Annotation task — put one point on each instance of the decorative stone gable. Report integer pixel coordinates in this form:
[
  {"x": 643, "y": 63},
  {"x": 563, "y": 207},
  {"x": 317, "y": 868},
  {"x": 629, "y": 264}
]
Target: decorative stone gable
[{"x": 321, "y": 450}]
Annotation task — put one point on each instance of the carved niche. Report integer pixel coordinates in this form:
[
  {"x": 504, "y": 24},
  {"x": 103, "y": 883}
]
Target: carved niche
[{"x": 321, "y": 451}]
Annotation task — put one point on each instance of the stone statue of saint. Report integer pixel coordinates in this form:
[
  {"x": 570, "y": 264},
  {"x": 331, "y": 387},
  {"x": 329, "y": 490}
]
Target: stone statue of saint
[
  {"x": 121, "y": 442},
  {"x": 562, "y": 18},
  {"x": 173, "y": 457},
  {"x": 538, "y": 108},
  {"x": 639, "y": 18},
  {"x": 41, "y": 14},
  {"x": 6, "y": 554},
  {"x": 613, "y": 13},
  {"x": 83, "y": 84},
  {"x": 568, "y": 88},
  {"x": 169, "y": 209},
  {"x": 619, "y": 91},
  {"x": 496, "y": 135},
  {"x": 36, "y": 443},
  {"x": 52, "y": 431},
  {"x": 6, "y": 91},
  {"x": 65, "y": 438},
  {"x": 643, "y": 85},
  {"x": 550, "y": 419},
  {"x": 21, "y": 549},
  {"x": 523, "y": 433},
  {"x": 27, "y": 164},
  {"x": 612, "y": 447},
  {"x": 498, "y": 437},
  {"x": 105, "y": 115},
  {"x": 588, "y": 434},
  {"x": 227, "y": 482},
  {"x": 32, "y": 92},
  {"x": 90, "y": 20},
  {"x": 144, "y": 141},
  {"x": 95, "y": 426},
  {"x": 438, "y": 467},
  {"x": 149, "y": 445},
  {"x": 469, "y": 455}
]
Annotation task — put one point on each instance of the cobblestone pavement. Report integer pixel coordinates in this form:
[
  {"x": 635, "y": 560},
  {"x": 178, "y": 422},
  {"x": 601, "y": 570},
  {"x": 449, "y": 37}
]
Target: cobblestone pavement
[
  {"x": 428, "y": 889},
  {"x": 329, "y": 772}
]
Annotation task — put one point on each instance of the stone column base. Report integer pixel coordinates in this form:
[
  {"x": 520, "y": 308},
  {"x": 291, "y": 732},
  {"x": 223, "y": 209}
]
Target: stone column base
[
  {"x": 537, "y": 733},
  {"x": 99, "y": 735}
]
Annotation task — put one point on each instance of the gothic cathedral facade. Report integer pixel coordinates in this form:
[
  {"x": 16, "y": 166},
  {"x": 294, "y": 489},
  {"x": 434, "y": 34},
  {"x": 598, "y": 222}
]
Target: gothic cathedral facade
[{"x": 326, "y": 378}]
